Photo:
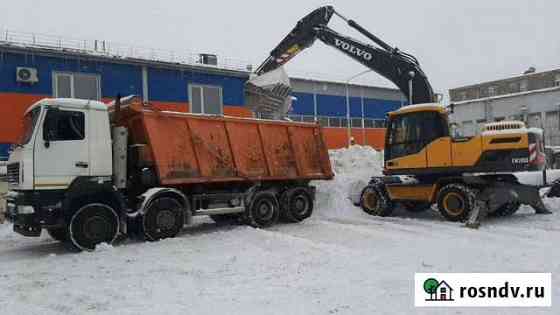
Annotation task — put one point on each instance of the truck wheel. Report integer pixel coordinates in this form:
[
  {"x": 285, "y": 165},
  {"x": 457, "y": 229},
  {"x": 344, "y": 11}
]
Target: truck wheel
[
  {"x": 375, "y": 201},
  {"x": 506, "y": 210},
  {"x": 456, "y": 201},
  {"x": 296, "y": 204},
  {"x": 264, "y": 210},
  {"x": 225, "y": 218},
  {"x": 58, "y": 234},
  {"x": 416, "y": 206},
  {"x": 93, "y": 224},
  {"x": 164, "y": 218}
]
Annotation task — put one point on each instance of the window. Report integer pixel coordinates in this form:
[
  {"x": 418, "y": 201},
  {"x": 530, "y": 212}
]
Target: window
[
  {"x": 29, "y": 122},
  {"x": 467, "y": 129},
  {"x": 62, "y": 125},
  {"x": 269, "y": 116},
  {"x": 295, "y": 117},
  {"x": 514, "y": 87},
  {"x": 524, "y": 85},
  {"x": 535, "y": 120},
  {"x": 77, "y": 85},
  {"x": 557, "y": 80},
  {"x": 380, "y": 124},
  {"x": 369, "y": 123},
  {"x": 409, "y": 134},
  {"x": 206, "y": 99},
  {"x": 492, "y": 91},
  {"x": 357, "y": 122},
  {"x": 551, "y": 120},
  {"x": 334, "y": 122},
  {"x": 308, "y": 119},
  {"x": 463, "y": 96}
]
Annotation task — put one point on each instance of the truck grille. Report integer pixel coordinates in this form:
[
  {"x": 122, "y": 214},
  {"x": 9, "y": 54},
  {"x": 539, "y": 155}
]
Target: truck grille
[{"x": 12, "y": 173}]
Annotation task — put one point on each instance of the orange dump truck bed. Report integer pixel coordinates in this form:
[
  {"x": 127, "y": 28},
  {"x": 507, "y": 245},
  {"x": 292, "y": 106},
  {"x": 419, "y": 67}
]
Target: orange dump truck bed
[{"x": 190, "y": 148}]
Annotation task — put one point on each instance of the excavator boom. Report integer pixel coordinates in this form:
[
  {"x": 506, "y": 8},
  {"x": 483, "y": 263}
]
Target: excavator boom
[{"x": 398, "y": 67}]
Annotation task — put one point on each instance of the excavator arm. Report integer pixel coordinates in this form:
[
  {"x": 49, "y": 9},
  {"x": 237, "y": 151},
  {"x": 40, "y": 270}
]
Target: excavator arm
[{"x": 398, "y": 67}]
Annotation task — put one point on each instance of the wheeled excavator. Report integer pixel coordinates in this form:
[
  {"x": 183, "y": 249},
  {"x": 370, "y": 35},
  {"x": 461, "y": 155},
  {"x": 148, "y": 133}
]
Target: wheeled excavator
[{"x": 492, "y": 173}]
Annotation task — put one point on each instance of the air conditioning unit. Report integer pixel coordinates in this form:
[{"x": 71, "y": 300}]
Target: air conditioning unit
[
  {"x": 26, "y": 75},
  {"x": 209, "y": 59}
]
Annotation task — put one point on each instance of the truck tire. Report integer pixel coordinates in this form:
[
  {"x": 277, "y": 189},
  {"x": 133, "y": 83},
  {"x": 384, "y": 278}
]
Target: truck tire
[
  {"x": 230, "y": 218},
  {"x": 164, "y": 218},
  {"x": 416, "y": 206},
  {"x": 296, "y": 204},
  {"x": 58, "y": 234},
  {"x": 92, "y": 224},
  {"x": 456, "y": 201},
  {"x": 263, "y": 211},
  {"x": 506, "y": 210},
  {"x": 375, "y": 201}
]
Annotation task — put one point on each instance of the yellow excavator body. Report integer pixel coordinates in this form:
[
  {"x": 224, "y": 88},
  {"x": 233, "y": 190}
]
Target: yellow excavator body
[{"x": 418, "y": 143}]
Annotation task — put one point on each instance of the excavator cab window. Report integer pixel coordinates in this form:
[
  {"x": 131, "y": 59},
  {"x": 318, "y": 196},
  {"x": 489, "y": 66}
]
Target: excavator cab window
[{"x": 410, "y": 133}]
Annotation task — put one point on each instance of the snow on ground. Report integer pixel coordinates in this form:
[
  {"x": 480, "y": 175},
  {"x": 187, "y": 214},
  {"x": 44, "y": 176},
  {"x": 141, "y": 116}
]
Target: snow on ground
[{"x": 340, "y": 261}]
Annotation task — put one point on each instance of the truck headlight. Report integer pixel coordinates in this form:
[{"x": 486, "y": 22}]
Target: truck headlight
[{"x": 25, "y": 210}]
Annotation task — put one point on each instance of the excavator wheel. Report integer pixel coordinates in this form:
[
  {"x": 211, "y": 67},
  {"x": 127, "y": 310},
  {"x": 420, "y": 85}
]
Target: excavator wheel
[
  {"x": 456, "y": 201},
  {"x": 375, "y": 201},
  {"x": 506, "y": 210}
]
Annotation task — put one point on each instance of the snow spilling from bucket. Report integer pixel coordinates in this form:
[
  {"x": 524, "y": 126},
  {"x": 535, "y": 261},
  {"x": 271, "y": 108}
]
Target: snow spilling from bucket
[{"x": 353, "y": 168}]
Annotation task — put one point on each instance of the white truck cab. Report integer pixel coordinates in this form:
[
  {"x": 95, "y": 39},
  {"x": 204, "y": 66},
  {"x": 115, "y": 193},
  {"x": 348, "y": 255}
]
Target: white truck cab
[
  {"x": 59, "y": 137},
  {"x": 65, "y": 155}
]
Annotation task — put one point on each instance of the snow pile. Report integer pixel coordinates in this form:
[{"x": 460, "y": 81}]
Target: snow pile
[{"x": 353, "y": 168}]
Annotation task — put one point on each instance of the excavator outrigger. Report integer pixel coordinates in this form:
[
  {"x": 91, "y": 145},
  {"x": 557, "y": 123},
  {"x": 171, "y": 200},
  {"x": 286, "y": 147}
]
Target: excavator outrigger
[{"x": 492, "y": 173}]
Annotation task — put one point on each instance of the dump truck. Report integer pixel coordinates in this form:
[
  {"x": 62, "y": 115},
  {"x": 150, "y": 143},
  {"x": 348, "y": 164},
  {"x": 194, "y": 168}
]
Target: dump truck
[
  {"x": 492, "y": 173},
  {"x": 87, "y": 174}
]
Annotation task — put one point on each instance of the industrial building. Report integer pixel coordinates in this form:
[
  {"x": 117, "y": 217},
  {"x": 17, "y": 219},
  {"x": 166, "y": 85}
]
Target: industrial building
[
  {"x": 533, "y": 97},
  {"x": 32, "y": 68}
]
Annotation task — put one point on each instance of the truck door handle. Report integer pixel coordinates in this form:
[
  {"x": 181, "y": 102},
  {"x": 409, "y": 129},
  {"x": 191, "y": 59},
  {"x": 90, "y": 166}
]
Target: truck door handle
[{"x": 82, "y": 164}]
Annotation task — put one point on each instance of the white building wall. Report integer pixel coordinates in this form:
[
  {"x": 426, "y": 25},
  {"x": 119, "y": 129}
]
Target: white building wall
[{"x": 536, "y": 108}]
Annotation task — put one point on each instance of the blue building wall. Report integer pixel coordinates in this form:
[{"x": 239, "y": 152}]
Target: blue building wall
[
  {"x": 164, "y": 85},
  {"x": 335, "y": 106},
  {"x": 115, "y": 78}
]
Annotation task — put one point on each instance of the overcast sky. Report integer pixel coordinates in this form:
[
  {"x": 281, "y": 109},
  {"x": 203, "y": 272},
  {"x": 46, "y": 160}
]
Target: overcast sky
[{"x": 457, "y": 42}]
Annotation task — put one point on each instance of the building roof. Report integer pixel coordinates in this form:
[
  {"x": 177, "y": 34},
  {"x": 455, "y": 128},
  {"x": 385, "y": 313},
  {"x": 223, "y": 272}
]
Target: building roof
[
  {"x": 341, "y": 82},
  {"x": 515, "y": 77},
  {"x": 49, "y": 45},
  {"x": 490, "y": 98}
]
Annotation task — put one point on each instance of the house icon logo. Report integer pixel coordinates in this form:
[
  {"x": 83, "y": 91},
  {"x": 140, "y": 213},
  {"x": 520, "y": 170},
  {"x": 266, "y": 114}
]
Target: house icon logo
[{"x": 438, "y": 290}]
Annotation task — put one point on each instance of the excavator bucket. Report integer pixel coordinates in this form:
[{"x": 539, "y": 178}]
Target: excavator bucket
[{"x": 269, "y": 93}]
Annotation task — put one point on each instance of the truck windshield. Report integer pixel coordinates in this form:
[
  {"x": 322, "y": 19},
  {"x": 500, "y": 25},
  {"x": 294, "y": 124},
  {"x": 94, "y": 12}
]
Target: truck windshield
[{"x": 29, "y": 122}]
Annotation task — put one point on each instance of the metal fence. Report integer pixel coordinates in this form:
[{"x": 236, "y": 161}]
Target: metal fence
[{"x": 114, "y": 49}]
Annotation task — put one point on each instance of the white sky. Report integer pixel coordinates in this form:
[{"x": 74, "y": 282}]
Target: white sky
[{"x": 457, "y": 42}]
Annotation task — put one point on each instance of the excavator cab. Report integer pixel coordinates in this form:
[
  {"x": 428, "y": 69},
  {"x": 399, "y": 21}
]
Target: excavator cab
[{"x": 409, "y": 132}]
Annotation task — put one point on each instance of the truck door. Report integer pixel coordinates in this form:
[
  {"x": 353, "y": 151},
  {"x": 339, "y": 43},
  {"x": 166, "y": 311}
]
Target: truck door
[
  {"x": 61, "y": 149},
  {"x": 404, "y": 149}
]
